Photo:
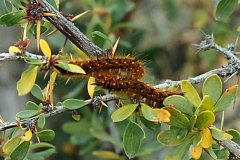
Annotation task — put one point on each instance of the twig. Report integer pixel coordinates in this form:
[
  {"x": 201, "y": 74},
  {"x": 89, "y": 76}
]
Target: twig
[
  {"x": 68, "y": 29},
  {"x": 95, "y": 102}
]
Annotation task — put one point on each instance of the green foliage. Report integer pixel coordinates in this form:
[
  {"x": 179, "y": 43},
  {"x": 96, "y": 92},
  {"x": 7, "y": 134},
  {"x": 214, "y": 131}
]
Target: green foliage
[
  {"x": 74, "y": 103},
  {"x": 225, "y": 8},
  {"x": 132, "y": 139},
  {"x": 191, "y": 116}
]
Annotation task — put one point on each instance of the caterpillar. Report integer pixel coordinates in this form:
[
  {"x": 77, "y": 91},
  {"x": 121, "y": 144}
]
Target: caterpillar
[{"x": 121, "y": 74}]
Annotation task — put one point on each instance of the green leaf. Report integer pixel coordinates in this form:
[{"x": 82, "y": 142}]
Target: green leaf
[
  {"x": 207, "y": 104},
  {"x": 12, "y": 143},
  {"x": 75, "y": 69},
  {"x": 235, "y": 134},
  {"x": 41, "y": 145},
  {"x": 226, "y": 99},
  {"x": 30, "y": 60},
  {"x": 41, "y": 121},
  {"x": 28, "y": 78},
  {"x": 212, "y": 87},
  {"x": 12, "y": 18},
  {"x": 205, "y": 119},
  {"x": 190, "y": 93},
  {"x": 74, "y": 103},
  {"x": 197, "y": 139},
  {"x": 223, "y": 154},
  {"x": 211, "y": 153},
  {"x": 27, "y": 113},
  {"x": 170, "y": 137},
  {"x": 3, "y": 7},
  {"x": 192, "y": 122},
  {"x": 220, "y": 135},
  {"x": 225, "y": 8},
  {"x": 180, "y": 103},
  {"x": 148, "y": 112},
  {"x": 32, "y": 106},
  {"x": 132, "y": 139},
  {"x": 46, "y": 135},
  {"x": 100, "y": 34},
  {"x": 149, "y": 124},
  {"x": 62, "y": 64},
  {"x": 124, "y": 112},
  {"x": 37, "y": 92},
  {"x": 43, "y": 155},
  {"x": 180, "y": 152},
  {"x": 177, "y": 119},
  {"x": 20, "y": 151}
]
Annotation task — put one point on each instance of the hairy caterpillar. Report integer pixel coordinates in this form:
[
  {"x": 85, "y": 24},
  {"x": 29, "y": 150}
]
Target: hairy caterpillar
[{"x": 121, "y": 74}]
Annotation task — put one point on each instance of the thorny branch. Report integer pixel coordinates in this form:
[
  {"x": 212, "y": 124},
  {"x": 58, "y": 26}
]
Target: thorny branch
[{"x": 68, "y": 29}]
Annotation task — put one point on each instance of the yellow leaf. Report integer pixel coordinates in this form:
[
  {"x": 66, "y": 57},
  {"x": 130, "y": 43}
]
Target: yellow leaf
[
  {"x": 91, "y": 87},
  {"x": 206, "y": 138},
  {"x": 52, "y": 81},
  {"x": 10, "y": 145},
  {"x": 163, "y": 115},
  {"x": 79, "y": 51},
  {"x": 75, "y": 69},
  {"x": 28, "y": 78},
  {"x": 196, "y": 152},
  {"x": 27, "y": 136},
  {"x": 45, "y": 48},
  {"x": 38, "y": 33},
  {"x": 14, "y": 49}
]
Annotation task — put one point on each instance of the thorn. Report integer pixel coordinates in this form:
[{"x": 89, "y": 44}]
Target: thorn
[
  {"x": 78, "y": 16},
  {"x": 235, "y": 73},
  {"x": 68, "y": 80},
  {"x": 115, "y": 46},
  {"x": 236, "y": 44},
  {"x": 45, "y": 75},
  {"x": 52, "y": 32},
  {"x": 49, "y": 14},
  {"x": 38, "y": 30}
]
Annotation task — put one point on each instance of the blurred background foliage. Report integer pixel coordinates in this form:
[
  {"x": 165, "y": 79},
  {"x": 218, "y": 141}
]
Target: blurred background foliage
[{"x": 160, "y": 33}]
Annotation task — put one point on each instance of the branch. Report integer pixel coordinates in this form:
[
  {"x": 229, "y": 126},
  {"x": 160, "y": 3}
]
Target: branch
[
  {"x": 68, "y": 29},
  {"x": 95, "y": 102}
]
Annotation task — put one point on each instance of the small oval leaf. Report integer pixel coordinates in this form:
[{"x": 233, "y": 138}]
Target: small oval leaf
[
  {"x": 207, "y": 139},
  {"x": 14, "y": 49},
  {"x": 205, "y": 119},
  {"x": 169, "y": 137},
  {"x": 226, "y": 99},
  {"x": 75, "y": 69},
  {"x": 190, "y": 93},
  {"x": 41, "y": 121},
  {"x": 124, "y": 112},
  {"x": 212, "y": 87},
  {"x": 32, "y": 106},
  {"x": 149, "y": 113},
  {"x": 46, "y": 135},
  {"x": 207, "y": 104},
  {"x": 91, "y": 86},
  {"x": 74, "y": 103},
  {"x": 12, "y": 143},
  {"x": 220, "y": 135},
  {"x": 132, "y": 138},
  {"x": 28, "y": 78},
  {"x": 37, "y": 92},
  {"x": 45, "y": 48},
  {"x": 27, "y": 136},
  {"x": 179, "y": 102},
  {"x": 177, "y": 119},
  {"x": 27, "y": 113}
]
